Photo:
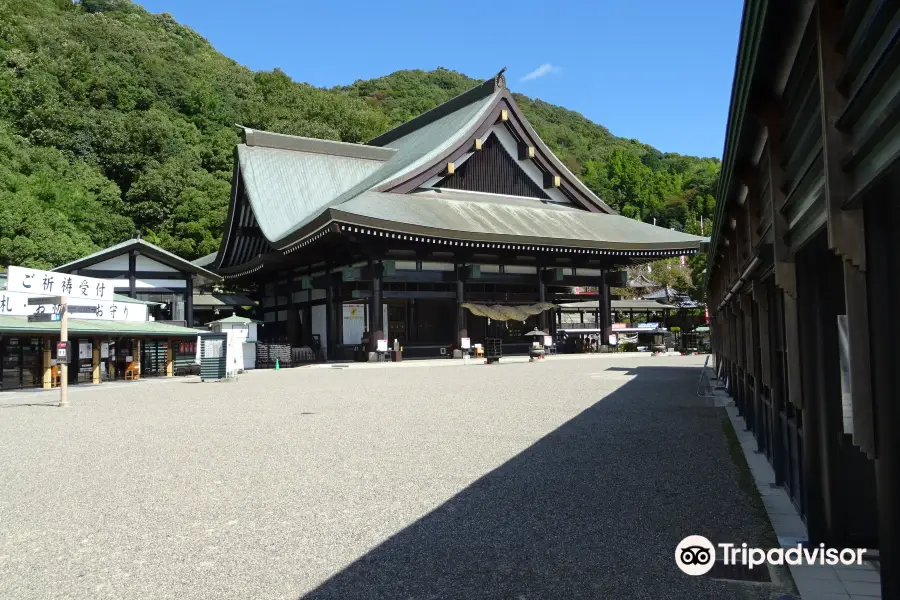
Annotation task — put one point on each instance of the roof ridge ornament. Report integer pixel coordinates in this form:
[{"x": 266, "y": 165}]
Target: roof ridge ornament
[
  {"x": 244, "y": 131},
  {"x": 500, "y": 79}
]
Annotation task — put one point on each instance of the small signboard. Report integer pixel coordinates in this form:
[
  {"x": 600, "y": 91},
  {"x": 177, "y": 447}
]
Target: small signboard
[
  {"x": 81, "y": 309},
  {"x": 382, "y": 346},
  {"x": 43, "y": 318},
  {"x": 466, "y": 343},
  {"x": 213, "y": 348},
  {"x": 548, "y": 340},
  {"x": 20, "y": 304},
  {"x": 36, "y": 281},
  {"x": 44, "y": 300},
  {"x": 62, "y": 352}
]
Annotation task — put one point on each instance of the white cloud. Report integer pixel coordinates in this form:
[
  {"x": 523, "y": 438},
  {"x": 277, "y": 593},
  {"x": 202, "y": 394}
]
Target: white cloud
[{"x": 544, "y": 69}]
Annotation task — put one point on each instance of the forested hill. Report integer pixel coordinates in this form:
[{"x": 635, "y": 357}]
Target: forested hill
[{"x": 114, "y": 120}]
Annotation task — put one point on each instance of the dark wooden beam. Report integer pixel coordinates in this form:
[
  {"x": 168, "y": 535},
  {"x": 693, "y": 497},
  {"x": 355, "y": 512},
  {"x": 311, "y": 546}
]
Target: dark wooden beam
[
  {"x": 132, "y": 272},
  {"x": 845, "y": 227},
  {"x": 403, "y": 294}
]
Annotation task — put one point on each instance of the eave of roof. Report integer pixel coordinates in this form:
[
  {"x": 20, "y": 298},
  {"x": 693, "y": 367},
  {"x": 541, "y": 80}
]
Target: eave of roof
[
  {"x": 748, "y": 47},
  {"x": 234, "y": 319},
  {"x": 219, "y": 300},
  {"x": 206, "y": 261},
  {"x": 21, "y": 325},
  {"x": 146, "y": 248},
  {"x": 508, "y": 222},
  {"x": 620, "y": 304}
]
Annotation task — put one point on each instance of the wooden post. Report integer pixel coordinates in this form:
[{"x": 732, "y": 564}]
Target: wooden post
[
  {"x": 64, "y": 337},
  {"x": 48, "y": 370},
  {"x": 189, "y": 300},
  {"x": 461, "y": 325},
  {"x": 542, "y": 297},
  {"x": 376, "y": 314},
  {"x": 137, "y": 357},
  {"x": 170, "y": 358},
  {"x": 95, "y": 361},
  {"x": 330, "y": 316}
]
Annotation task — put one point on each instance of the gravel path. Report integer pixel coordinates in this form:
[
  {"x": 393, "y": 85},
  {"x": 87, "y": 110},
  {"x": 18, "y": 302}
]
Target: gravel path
[{"x": 559, "y": 479}]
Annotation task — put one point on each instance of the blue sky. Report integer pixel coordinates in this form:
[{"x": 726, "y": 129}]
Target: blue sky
[{"x": 656, "y": 70}]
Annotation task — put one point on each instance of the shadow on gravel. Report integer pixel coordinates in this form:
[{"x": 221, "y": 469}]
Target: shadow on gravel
[
  {"x": 14, "y": 404},
  {"x": 593, "y": 510}
]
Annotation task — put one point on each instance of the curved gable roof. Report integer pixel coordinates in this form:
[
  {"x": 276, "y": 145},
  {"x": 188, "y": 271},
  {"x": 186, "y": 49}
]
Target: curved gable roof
[{"x": 286, "y": 186}]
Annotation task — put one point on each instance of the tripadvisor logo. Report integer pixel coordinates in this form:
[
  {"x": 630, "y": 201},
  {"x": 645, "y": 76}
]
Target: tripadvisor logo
[{"x": 696, "y": 555}]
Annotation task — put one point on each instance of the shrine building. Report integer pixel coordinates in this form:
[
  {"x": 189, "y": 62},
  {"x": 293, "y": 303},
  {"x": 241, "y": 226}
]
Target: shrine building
[{"x": 409, "y": 236}]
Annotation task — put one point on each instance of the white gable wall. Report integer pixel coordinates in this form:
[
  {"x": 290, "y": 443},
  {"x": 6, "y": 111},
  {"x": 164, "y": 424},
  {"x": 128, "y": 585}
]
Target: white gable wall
[
  {"x": 144, "y": 263},
  {"x": 116, "y": 263}
]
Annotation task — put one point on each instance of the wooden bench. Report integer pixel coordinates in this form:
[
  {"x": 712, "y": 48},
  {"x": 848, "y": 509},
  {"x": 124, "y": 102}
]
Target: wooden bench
[{"x": 132, "y": 372}]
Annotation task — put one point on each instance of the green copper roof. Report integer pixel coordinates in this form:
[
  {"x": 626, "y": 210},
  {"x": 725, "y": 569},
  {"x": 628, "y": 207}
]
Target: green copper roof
[
  {"x": 289, "y": 188},
  {"x": 285, "y": 187},
  {"x": 425, "y": 144},
  {"x": 297, "y": 185},
  {"x": 507, "y": 221},
  {"x": 96, "y": 327},
  {"x": 234, "y": 319},
  {"x": 206, "y": 261}
]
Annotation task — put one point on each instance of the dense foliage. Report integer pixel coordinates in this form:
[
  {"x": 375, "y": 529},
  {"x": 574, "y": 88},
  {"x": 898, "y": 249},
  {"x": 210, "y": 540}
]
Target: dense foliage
[{"x": 114, "y": 120}]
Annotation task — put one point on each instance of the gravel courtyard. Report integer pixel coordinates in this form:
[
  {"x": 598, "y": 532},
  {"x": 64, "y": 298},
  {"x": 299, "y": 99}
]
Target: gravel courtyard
[{"x": 569, "y": 478}]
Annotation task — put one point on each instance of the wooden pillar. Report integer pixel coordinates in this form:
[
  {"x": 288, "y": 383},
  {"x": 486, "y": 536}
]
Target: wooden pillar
[
  {"x": 771, "y": 115},
  {"x": 412, "y": 333},
  {"x": 47, "y": 379},
  {"x": 132, "y": 273},
  {"x": 170, "y": 358},
  {"x": 822, "y": 426},
  {"x": 542, "y": 297},
  {"x": 882, "y": 220},
  {"x": 137, "y": 356},
  {"x": 95, "y": 361},
  {"x": 461, "y": 324},
  {"x": 376, "y": 312},
  {"x": 189, "y": 300},
  {"x": 603, "y": 310},
  {"x": 329, "y": 316}
]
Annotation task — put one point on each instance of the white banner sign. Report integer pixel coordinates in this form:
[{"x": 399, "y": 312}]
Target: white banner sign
[
  {"x": 16, "y": 304},
  {"x": 354, "y": 317},
  {"x": 48, "y": 283}
]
